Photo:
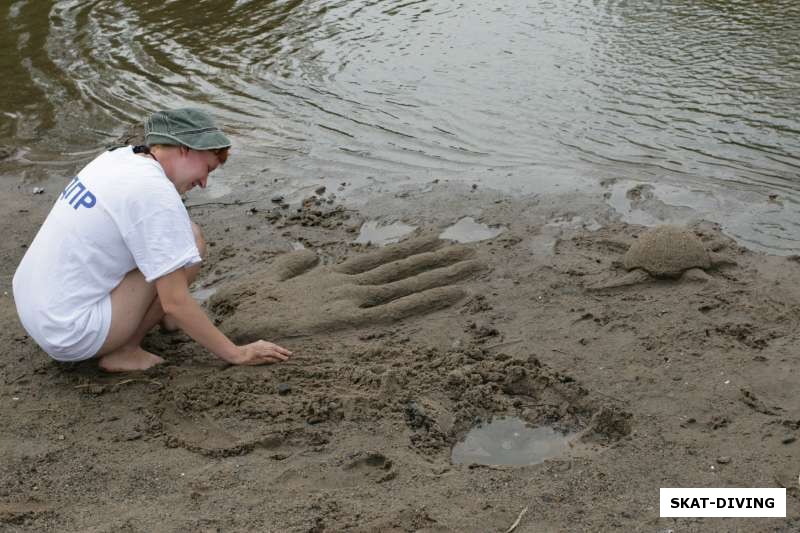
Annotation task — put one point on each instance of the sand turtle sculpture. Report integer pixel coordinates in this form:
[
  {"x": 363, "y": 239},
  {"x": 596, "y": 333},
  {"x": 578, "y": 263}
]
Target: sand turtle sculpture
[{"x": 667, "y": 252}]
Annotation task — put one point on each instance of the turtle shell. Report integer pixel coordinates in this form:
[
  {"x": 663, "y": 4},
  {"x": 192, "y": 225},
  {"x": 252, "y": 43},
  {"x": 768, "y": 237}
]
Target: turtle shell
[{"x": 667, "y": 251}]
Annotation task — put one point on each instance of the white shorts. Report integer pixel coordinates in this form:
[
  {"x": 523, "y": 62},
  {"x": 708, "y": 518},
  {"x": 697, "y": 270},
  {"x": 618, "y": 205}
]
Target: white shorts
[{"x": 79, "y": 340}]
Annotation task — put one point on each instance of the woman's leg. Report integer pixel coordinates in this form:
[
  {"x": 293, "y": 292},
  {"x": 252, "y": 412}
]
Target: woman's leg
[{"x": 135, "y": 309}]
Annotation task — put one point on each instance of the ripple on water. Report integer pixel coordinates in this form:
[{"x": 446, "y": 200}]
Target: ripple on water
[
  {"x": 518, "y": 96},
  {"x": 510, "y": 441}
]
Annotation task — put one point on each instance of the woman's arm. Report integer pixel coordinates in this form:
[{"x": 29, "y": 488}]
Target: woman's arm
[{"x": 177, "y": 302}]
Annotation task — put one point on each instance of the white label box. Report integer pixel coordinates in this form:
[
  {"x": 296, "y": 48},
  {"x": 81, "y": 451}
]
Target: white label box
[{"x": 723, "y": 502}]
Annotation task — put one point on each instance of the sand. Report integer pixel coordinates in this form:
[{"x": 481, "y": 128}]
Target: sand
[{"x": 667, "y": 383}]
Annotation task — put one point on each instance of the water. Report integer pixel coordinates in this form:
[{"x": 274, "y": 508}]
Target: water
[
  {"x": 698, "y": 99},
  {"x": 378, "y": 234},
  {"x": 510, "y": 441},
  {"x": 467, "y": 230}
]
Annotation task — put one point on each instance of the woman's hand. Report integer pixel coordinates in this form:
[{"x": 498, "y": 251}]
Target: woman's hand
[{"x": 261, "y": 353}]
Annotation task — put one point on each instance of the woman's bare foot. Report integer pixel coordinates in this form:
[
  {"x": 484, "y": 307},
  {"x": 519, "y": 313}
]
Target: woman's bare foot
[{"x": 129, "y": 359}]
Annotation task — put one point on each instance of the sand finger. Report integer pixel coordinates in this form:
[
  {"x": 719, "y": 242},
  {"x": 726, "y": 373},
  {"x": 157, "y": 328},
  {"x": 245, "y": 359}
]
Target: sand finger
[
  {"x": 293, "y": 264},
  {"x": 416, "y": 264},
  {"x": 370, "y": 296},
  {"x": 414, "y": 304},
  {"x": 363, "y": 263}
]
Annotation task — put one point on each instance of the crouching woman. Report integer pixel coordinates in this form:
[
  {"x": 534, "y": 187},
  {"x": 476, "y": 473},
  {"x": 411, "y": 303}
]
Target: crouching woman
[{"x": 117, "y": 253}]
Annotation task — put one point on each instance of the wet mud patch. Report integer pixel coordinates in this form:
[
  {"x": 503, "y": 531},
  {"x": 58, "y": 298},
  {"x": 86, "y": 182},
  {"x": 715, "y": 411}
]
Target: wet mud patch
[
  {"x": 368, "y": 466},
  {"x": 221, "y": 414},
  {"x": 312, "y": 213},
  {"x": 478, "y": 386},
  {"x": 432, "y": 396},
  {"x": 746, "y": 334},
  {"x": 21, "y": 513}
]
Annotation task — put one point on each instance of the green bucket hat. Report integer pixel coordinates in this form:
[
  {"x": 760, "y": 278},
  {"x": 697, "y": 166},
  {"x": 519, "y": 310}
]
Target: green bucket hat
[{"x": 187, "y": 126}]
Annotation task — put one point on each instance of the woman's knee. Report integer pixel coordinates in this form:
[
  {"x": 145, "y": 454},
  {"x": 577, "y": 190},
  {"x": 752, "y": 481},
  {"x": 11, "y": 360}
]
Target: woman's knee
[{"x": 199, "y": 240}]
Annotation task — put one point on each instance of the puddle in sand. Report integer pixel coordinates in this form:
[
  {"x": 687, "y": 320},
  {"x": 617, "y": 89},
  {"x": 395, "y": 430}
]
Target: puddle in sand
[
  {"x": 201, "y": 295},
  {"x": 381, "y": 235},
  {"x": 467, "y": 230},
  {"x": 510, "y": 441},
  {"x": 544, "y": 244}
]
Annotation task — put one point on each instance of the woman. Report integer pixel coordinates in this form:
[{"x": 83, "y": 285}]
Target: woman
[{"x": 117, "y": 253}]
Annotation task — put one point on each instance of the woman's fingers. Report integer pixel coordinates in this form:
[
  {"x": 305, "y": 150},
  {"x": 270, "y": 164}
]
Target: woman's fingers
[
  {"x": 266, "y": 359},
  {"x": 281, "y": 350},
  {"x": 272, "y": 353},
  {"x": 261, "y": 352}
]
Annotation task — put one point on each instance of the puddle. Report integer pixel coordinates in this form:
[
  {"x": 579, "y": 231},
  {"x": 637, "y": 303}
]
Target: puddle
[
  {"x": 201, "y": 295},
  {"x": 651, "y": 205},
  {"x": 381, "y": 235},
  {"x": 510, "y": 441},
  {"x": 543, "y": 245},
  {"x": 467, "y": 230}
]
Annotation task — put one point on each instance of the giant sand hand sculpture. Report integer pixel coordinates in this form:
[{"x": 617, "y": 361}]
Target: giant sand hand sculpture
[{"x": 296, "y": 296}]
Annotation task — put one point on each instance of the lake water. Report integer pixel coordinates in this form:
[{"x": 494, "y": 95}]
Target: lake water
[{"x": 699, "y": 99}]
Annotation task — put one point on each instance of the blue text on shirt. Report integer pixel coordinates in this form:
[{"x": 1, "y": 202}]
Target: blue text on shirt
[{"x": 78, "y": 195}]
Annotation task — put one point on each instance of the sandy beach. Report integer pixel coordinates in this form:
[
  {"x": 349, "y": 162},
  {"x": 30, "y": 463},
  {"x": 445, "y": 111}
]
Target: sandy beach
[{"x": 667, "y": 383}]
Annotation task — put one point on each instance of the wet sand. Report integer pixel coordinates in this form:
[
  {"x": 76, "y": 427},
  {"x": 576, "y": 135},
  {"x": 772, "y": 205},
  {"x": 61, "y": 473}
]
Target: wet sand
[{"x": 668, "y": 383}]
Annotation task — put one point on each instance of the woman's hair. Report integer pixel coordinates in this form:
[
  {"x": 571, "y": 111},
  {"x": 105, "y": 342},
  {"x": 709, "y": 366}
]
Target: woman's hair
[{"x": 222, "y": 154}]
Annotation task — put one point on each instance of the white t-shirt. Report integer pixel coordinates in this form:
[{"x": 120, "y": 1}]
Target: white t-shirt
[{"x": 121, "y": 212}]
